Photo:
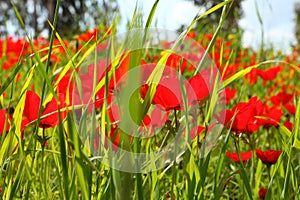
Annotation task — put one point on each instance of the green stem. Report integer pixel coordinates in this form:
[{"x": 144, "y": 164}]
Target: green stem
[
  {"x": 252, "y": 146},
  {"x": 174, "y": 172},
  {"x": 269, "y": 172}
]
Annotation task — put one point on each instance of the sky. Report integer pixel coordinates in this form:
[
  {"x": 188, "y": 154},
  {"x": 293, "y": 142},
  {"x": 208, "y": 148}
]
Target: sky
[{"x": 277, "y": 15}]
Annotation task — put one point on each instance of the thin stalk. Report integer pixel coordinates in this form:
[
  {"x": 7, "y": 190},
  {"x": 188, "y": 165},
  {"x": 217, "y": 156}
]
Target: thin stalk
[{"x": 174, "y": 171}]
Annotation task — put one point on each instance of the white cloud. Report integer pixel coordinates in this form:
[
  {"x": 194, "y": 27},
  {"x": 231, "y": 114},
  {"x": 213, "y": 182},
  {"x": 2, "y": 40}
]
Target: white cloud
[
  {"x": 184, "y": 12},
  {"x": 277, "y": 16}
]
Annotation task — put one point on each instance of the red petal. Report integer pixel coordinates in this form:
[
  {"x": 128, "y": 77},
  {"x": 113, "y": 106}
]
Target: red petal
[
  {"x": 51, "y": 112},
  {"x": 244, "y": 156},
  {"x": 3, "y": 121},
  {"x": 31, "y": 108}
]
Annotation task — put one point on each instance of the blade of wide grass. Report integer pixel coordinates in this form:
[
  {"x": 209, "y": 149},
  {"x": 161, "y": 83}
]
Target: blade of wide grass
[
  {"x": 243, "y": 72},
  {"x": 277, "y": 165},
  {"x": 258, "y": 176},
  {"x": 243, "y": 172},
  {"x": 10, "y": 141},
  {"x": 149, "y": 20},
  {"x": 80, "y": 172},
  {"x": 220, "y": 163},
  {"x": 296, "y": 122},
  {"x": 216, "y": 33}
]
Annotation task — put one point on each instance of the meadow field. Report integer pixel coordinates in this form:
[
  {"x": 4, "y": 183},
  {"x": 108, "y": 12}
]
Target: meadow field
[{"x": 148, "y": 114}]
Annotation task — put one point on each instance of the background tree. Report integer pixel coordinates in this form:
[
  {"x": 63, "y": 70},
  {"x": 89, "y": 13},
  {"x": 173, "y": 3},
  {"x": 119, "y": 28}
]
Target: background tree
[
  {"x": 234, "y": 13},
  {"x": 75, "y": 16},
  {"x": 297, "y": 22}
]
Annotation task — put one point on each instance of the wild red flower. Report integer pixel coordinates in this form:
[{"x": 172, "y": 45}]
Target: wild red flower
[
  {"x": 176, "y": 62},
  {"x": 262, "y": 193},
  {"x": 244, "y": 156},
  {"x": 288, "y": 125},
  {"x": 92, "y": 34},
  {"x": 197, "y": 130},
  {"x": 158, "y": 117},
  {"x": 227, "y": 95},
  {"x": 3, "y": 121},
  {"x": 65, "y": 86},
  {"x": 49, "y": 115},
  {"x": 281, "y": 98},
  {"x": 273, "y": 113},
  {"x": 252, "y": 76},
  {"x": 10, "y": 62},
  {"x": 243, "y": 115},
  {"x": 115, "y": 82},
  {"x": 192, "y": 34},
  {"x": 269, "y": 74},
  {"x": 199, "y": 86},
  {"x": 291, "y": 108},
  {"x": 154, "y": 121},
  {"x": 168, "y": 94},
  {"x": 268, "y": 157}
]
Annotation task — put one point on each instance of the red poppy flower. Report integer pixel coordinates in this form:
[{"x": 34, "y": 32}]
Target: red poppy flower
[
  {"x": 291, "y": 108},
  {"x": 158, "y": 117},
  {"x": 269, "y": 74},
  {"x": 83, "y": 95},
  {"x": 168, "y": 93},
  {"x": 273, "y": 113},
  {"x": 3, "y": 121},
  {"x": 177, "y": 62},
  {"x": 91, "y": 34},
  {"x": 268, "y": 157},
  {"x": 288, "y": 125},
  {"x": 227, "y": 95},
  {"x": 252, "y": 76},
  {"x": 10, "y": 62},
  {"x": 244, "y": 156},
  {"x": 281, "y": 98},
  {"x": 196, "y": 131},
  {"x": 154, "y": 121},
  {"x": 199, "y": 86},
  {"x": 192, "y": 34},
  {"x": 262, "y": 193},
  {"x": 66, "y": 85},
  {"x": 49, "y": 115},
  {"x": 243, "y": 115},
  {"x": 113, "y": 83}
]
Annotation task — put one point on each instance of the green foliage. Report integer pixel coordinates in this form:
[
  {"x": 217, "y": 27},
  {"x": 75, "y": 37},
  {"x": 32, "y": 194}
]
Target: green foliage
[{"x": 74, "y": 17}]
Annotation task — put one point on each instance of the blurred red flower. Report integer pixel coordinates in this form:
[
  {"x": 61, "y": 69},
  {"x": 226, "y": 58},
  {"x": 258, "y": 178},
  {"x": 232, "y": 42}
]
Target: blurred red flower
[
  {"x": 196, "y": 131},
  {"x": 268, "y": 157},
  {"x": 269, "y": 74},
  {"x": 273, "y": 113},
  {"x": 3, "y": 121},
  {"x": 49, "y": 115},
  {"x": 291, "y": 108},
  {"x": 288, "y": 125},
  {"x": 262, "y": 193},
  {"x": 168, "y": 94},
  {"x": 199, "y": 86},
  {"x": 10, "y": 62},
  {"x": 244, "y": 156},
  {"x": 281, "y": 98},
  {"x": 243, "y": 115},
  {"x": 227, "y": 95}
]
